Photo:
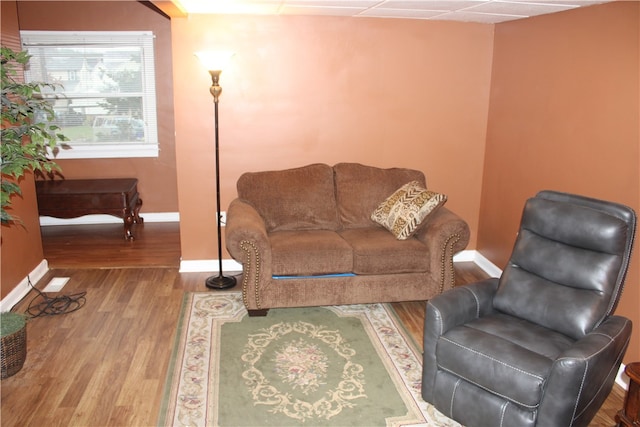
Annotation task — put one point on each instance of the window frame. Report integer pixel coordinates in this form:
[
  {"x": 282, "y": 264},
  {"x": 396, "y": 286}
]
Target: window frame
[{"x": 106, "y": 149}]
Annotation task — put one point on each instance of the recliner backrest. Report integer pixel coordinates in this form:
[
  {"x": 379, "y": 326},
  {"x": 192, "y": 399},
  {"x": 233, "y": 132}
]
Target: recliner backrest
[{"x": 569, "y": 262}]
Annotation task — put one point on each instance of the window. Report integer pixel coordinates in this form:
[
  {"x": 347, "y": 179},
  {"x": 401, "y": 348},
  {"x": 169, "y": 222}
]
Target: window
[{"x": 105, "y": 100}]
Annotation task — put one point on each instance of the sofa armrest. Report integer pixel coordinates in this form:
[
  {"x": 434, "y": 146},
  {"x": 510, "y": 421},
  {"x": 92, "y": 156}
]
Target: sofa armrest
[
  {"x": 248, "y": 243},
  {"x": 243, "y": 223},
  {"x": 582, "y": 377},
  {"x": 446, "y": 311},
  {"x": 445, "y": 234}
]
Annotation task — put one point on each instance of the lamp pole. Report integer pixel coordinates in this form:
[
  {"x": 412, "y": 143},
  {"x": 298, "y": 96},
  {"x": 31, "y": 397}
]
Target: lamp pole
[{"x": 220, "y": 281}]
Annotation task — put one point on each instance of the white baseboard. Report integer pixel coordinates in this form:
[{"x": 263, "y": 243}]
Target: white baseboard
[
  {"x": 622, "y": 379},
  {"x": 487, "y": 266},
  {"x": 23, "y": 288},
  {"x": 477, "y": 258},
  {"x": 230, "y": 265},
  {"x": 109, "y": 219},
  {"x": 209, "y": 265},
  {"x": 464, "y": 256}
]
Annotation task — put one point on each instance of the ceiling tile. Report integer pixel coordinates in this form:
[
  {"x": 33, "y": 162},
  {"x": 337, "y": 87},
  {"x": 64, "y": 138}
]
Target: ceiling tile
[
  {"x": 485, "y": 11},
  {"x": 400, "y": 13},
  {"x": 518, "y": 8},
  {"x": 315, "y": 10},
  {"x": 485, "y": 18},
  {"x": 332, "y": 3},
  {"x": 439, "y": 5}
]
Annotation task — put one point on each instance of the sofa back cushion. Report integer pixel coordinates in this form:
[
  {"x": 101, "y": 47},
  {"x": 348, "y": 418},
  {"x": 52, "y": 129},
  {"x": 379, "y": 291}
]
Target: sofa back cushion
[
  {"x": 293, "y": 199},
  {"x": 360, "y": 189}
]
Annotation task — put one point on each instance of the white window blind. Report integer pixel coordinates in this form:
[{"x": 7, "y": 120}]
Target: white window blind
[{"x": 105, "y": 98}]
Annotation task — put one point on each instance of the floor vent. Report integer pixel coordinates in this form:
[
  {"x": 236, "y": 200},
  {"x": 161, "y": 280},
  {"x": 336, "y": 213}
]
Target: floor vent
[{"x": 56, "y": 284}]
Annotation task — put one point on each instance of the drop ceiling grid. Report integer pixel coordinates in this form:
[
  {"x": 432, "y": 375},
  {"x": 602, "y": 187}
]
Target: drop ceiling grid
[{"x": 484, "y": 11}]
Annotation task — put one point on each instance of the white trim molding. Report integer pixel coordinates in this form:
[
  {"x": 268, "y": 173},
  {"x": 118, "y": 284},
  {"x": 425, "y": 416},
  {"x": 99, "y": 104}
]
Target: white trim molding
[
  {"x": 230, "y": 265},
  {"x": 209, "y": 265},
  {"x": 23, "y": 288},
  {"x": 487, "y": 266},
  {"x": 108, "y": 219},
  {"x": 477, "y": 258},
  {"x": 622, "y": 379}
]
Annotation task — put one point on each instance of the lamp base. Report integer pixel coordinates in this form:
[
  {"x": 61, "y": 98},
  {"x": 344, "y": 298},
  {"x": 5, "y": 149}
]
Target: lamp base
[{"x": 220, "y": 282}]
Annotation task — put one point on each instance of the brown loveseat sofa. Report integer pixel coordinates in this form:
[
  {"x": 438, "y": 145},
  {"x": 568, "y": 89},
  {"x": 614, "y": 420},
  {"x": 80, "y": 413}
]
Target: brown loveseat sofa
[{"x": 305, "y": 237}]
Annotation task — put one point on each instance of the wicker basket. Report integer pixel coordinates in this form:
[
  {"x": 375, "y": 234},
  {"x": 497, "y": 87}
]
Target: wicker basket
[{"x": 13, "y": 352}]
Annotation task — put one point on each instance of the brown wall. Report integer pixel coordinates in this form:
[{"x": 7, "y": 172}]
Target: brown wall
[
  {"x": 302, "y": 90},
  {"x": 564, "y": 115},
  {"x": 21, "y": 245},
  {"x": 157, "y": 176}
]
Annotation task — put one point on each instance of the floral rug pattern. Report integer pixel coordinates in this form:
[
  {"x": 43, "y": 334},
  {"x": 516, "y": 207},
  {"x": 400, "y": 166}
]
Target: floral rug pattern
[
  {"x": 302, "y": 364},
  {"x": 192, "y": 386}
]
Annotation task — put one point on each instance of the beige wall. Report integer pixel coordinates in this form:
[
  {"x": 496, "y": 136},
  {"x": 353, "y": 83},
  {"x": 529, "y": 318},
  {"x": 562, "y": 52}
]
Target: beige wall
[
  {"x": 564, "y": 115},
  {"x": 302, "y": 90}
]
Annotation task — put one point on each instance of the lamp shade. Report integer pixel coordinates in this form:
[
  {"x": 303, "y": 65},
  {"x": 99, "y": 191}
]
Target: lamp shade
[{"x": 214, "y": 60}]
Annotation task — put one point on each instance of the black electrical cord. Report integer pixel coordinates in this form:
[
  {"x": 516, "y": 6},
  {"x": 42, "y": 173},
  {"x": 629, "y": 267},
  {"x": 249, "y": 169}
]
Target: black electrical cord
[{"x": 49, "y": 306}]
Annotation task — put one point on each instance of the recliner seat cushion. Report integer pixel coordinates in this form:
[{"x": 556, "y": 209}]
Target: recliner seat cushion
[
  {"x": 376, "y": 251},
  {"x": 309, "y": 252},
  {"x": 507, "y": 356}
]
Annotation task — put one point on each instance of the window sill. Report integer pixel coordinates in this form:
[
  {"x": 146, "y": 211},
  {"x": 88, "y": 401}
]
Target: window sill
[{"x": 104, "y": 151}]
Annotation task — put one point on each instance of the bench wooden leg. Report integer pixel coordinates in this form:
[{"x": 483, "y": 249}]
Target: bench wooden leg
[
  {"x": 132, "y": 215},
  {"x": 136, "y": 212},
  {"x": 128, "y": 222}
]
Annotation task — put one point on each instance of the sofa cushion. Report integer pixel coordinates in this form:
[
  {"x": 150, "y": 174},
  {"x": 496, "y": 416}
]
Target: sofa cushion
[
  {"x": 360, "y": 189},
  {"x": 376, "y": 251},
  {"x": 405, "y": 210},
  {"x": 309, "y": 252},
  {"x": 293, "y": 199}
]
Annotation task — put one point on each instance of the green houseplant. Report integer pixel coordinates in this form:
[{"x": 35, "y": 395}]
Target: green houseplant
[{"x": 27, "y": 133}]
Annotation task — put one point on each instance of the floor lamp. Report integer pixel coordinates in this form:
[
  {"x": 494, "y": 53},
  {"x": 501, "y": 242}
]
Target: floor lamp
[{"x": 214, "y": 62}]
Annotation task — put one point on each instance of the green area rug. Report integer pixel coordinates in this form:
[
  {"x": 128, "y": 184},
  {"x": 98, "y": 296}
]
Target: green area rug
[{"x": 318, "y": 366}]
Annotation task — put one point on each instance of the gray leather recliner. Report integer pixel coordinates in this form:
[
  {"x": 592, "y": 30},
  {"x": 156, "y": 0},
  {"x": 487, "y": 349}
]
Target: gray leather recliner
[{"x": 539, "y": 346}]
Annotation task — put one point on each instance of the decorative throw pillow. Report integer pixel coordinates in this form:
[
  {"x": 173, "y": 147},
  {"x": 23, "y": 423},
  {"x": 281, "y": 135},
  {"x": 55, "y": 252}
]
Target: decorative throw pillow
[{"x": 405, "y": 210}]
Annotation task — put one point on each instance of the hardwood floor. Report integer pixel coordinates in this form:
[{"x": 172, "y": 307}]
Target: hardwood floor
[
  {"x": 105, "y": 364},
  {"x": 103, "y": 246}
]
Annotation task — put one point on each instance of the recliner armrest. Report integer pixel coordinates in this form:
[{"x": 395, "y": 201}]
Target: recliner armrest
[
  {"x": 460, "y": 305},
  {"x": 582, "y": 377},
  {"x": 448, "y": 310}
]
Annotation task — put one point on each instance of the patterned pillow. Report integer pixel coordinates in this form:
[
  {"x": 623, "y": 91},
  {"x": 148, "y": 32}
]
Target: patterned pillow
[{"x": 404, "y": 211}]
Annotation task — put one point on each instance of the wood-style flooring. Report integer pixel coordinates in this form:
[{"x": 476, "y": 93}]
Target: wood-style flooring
[{"x": 105, "y": 364}]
